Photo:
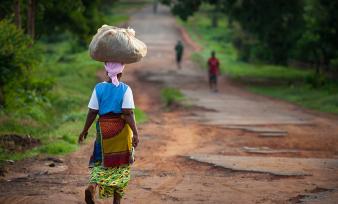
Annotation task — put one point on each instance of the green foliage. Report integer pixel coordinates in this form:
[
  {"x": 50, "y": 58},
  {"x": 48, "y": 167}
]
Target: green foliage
[
  {"x": 80, "y": 17},
  {"x": 17, "y": 54},
  {"x": 319, "y": 43},
  {"x": 185, "y": 8},
  {"x": 22, "y": 91},
  {"x": 316, "y": 81},
  {"x": 171, "y": 96},
  {"x": 54, "y": 17},
  {"x": 141, "y": 117},
  {"x": 5, "y": 155},
  {"x": 323, "y": 99},
  {"x": 274, "y": 23},
  {"x": 57, "y": 147},
  {"x": 276, "y": 31},
  {"x": 5, "y": 8}
]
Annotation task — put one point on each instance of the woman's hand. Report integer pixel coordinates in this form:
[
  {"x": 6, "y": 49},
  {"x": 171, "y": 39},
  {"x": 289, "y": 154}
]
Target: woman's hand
[
  {"x": 82, "y": 136},
  {"x": 91, "y": 115},
  {"x": 135, "y": 140}
]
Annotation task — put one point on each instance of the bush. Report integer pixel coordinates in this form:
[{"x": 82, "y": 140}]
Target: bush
[
  {"x": 17, "y": 55},
  {"x": 316, "y": 81},
  {"x": 171, "y": 96}
]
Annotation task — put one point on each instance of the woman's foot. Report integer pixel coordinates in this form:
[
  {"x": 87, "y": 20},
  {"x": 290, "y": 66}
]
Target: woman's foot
[
  {"x": 117, "y": 198},
  {"x": 89, "y": 194}
]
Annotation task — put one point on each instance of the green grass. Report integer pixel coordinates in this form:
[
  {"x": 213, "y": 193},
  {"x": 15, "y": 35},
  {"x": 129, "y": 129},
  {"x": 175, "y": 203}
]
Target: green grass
[
  {"x": 171, "y": 96},
  {"x": 141, "y": 116},
  {"x": 323, "y": 99},
  {"x": 4, "y": 155},
  {"x": 287, "y": 83},
  {"x": 58, "y": 121}
]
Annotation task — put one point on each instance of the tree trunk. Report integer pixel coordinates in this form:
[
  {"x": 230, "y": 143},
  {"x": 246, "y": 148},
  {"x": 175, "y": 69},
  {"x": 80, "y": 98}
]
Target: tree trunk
[
  {"x": 317, "y": 62},
  {"x": 230, "y": 25},
  {"x": 2, "y": 97},
  {"x": 214, "y": 17},
  {"x": 31, "y": 18},
  {"x": 214, "y": 20},
  {"x": 17, "y": 14},
  {"x": 325, "y": 58}
]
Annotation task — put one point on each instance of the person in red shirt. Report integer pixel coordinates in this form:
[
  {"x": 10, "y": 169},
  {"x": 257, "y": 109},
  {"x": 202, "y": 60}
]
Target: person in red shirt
[{"x": 214, "y": 71}]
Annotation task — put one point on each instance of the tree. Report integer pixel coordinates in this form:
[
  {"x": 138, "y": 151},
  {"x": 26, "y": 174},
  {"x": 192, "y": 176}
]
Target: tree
[
  {"x": 17, "y": 14},
  {"x": 319, "y": 41},
  {"x": 52, "y": 17},
  {"x": 17, "y": 55},
  {"x": 215, "y": 12},
  {"x": 31, "y": 18},
  {"x": 186, "y": 8},
  {"x": 57, "y": 16},
  {"x": 275, "y": 24},
  {"x": 227, "y": 7}
]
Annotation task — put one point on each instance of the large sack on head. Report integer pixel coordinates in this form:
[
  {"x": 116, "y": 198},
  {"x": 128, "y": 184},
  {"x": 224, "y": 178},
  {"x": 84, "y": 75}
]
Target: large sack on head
[{"x": 112, "y": 44}]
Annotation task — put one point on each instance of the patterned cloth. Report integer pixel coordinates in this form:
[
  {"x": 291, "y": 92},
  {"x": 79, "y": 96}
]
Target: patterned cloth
[
  {"x": 116, "y": 141},
  {"x": 113, "y": 145},
  {"x": 110, "y": 180},
  {"x": 113, "y": 153}
]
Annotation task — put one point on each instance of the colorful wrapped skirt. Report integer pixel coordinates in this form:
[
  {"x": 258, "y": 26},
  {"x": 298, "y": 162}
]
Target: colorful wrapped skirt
[
  {"x": 110, "y": 180},
  {"x": 112, "y": 156}
]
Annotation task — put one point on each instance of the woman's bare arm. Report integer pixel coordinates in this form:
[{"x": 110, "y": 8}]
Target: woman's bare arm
[
  {"x": 130, "y": 119},
  {"x": 91, "y": 115}
]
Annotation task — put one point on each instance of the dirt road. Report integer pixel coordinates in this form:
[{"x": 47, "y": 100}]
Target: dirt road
[{"x": 229, "y": 147}]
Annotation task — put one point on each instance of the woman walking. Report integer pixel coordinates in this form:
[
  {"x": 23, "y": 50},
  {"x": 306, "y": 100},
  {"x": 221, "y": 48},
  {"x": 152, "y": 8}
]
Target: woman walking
[{"x": 117, "y": 136}]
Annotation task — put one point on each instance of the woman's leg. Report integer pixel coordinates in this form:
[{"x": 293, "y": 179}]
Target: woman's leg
[
  {"x": 216, "y": 86},
  {"x": 90, "y": 193},
  {"x": 117, "y": 198}
]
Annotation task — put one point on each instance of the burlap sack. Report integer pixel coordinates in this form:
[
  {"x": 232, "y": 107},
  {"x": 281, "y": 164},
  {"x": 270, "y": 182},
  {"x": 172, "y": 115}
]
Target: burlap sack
[{"x": 112, "y": 44}]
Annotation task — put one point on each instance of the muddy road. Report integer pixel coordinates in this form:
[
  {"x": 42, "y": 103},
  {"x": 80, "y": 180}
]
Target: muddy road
[{"x": 225, "y": 147}]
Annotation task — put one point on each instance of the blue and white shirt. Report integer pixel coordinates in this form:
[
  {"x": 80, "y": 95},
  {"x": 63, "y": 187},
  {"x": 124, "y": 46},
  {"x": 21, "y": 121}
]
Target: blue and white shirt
[{"x": 107, "y": 97}]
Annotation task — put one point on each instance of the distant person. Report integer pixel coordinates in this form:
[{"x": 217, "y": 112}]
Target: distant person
[
  {"x": 155, "y": 4},
  {"x": 214, "y": 71},
  {"x": 116, "y": 138},
  {"x": 179, "y": 48}
]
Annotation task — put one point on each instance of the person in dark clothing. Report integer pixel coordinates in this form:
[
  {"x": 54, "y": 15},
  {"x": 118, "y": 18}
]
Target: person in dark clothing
[
  {"x": 179, "y": 48},
  {"x": 155, "y": 5},
  {"x": 213, "y": 71}
]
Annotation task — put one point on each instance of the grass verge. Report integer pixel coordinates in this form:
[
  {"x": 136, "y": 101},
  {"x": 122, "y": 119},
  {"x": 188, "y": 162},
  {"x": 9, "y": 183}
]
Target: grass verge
[
  {"x": 141, "y": 116},
  {"x": 324, "y": 99},
  {"x": 171, "y": 96}
]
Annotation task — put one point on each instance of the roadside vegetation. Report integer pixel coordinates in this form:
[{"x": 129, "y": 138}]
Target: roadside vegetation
[
  {"x": 46, "y": 80},
  {"x": 243, "y": 59},
  {"x": 171, "y": 96}
]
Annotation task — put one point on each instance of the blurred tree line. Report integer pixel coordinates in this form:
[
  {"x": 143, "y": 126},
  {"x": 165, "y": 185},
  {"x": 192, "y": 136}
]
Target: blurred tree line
[
  {"x": 276, "y": 31},
  {"x": 23, "y": 22}
]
